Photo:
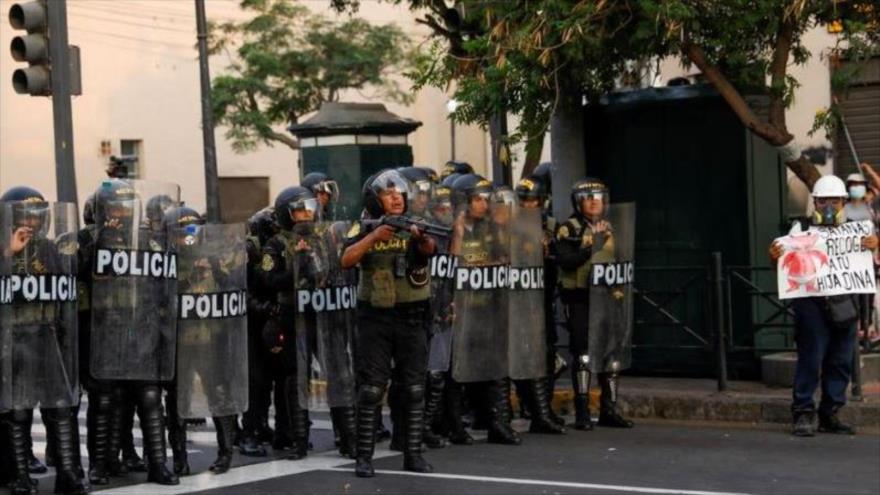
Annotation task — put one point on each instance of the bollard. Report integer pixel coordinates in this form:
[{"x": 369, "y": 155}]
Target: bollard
[{"x": 718, "y": 317}]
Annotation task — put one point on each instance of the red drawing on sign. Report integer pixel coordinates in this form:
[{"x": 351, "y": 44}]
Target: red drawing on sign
[{"x": 803, "y": 262}]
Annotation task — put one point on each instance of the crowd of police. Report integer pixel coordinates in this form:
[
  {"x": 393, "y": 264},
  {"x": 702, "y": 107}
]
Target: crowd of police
[{"x": 436, "y": 301}]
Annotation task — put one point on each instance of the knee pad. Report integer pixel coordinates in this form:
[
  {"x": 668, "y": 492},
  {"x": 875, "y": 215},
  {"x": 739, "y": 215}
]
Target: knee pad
[
  {"x": 21, "y": 415},
  {"x": 370, "y": 395},
  {"x": 151, "y": 397},
  {"x": 415, "y": 394}
]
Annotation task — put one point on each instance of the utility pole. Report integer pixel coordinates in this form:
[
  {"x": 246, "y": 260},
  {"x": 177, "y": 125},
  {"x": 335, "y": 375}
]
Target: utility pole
[{"x": 212, "y": 192}]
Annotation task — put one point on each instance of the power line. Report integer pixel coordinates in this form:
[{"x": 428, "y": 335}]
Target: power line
[
  {"x": 141, "y": 49},
  {"x": 130, "y": 23},
  {"x": 132, "y": 38},
  {"x": 139, "y": 11}
]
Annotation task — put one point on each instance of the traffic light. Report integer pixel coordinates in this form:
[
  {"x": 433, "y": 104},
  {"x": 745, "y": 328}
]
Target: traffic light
[
  {"x": 32, "y": 48},
  {"x": 42, "y": 49}
]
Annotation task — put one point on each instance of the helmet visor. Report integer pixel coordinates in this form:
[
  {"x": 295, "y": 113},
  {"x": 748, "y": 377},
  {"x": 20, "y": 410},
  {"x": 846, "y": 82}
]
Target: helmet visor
[{"x": 329, "y": 187}]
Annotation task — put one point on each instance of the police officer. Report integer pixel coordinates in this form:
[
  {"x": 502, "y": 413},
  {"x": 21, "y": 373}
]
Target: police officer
[
  {"x": 116, "y": 203},
  {"x": 455, "y": 167},
  {"x": 480, "y": 239},
  {"x": 42, "y": 344},
  {"x": 530, "y": 196},
  {"x": 326, "y": 190},
  {"x": 579, "y": 238},
  {"x": 261, "y": 305},
  {"x": 392, "y": 303},
  {"x": 825, "y": 343},
  {"x": 283, "y": 255}
]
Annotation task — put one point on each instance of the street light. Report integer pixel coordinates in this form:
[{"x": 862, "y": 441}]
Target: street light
[{"x": 451, "y": 105}]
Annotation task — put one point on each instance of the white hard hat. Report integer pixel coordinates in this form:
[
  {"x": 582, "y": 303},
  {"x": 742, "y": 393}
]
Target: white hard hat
[
  {"x": 829, "y": 186},
  {"x": 855, "y": 178}
]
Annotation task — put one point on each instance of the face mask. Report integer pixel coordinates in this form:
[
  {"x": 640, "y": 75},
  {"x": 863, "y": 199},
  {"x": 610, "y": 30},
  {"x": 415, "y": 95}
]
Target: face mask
[
  {"x": 857, "y": 192},
  {"x": 828, "y": 216}
]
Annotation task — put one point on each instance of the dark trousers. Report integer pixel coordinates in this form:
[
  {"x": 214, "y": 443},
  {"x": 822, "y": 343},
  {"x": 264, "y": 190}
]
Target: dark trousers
[
  {"x": 824, "y": 355},
  {"x": 396, "y": 335}
]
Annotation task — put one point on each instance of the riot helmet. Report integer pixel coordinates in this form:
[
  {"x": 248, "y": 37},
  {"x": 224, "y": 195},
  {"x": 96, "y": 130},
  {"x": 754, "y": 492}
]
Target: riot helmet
[
  {"x": 472, "y": 192},
  {"x": 433, "y": 176},
  {"x": 116, "y": 203},
  {"x": 530, "y": 192},
  {"x": 184, "y": 221},
  {"x": 29, "y": 209},
  {"x": 262, "y": 224},
  {"x": 294, "y": 205},
  {"x": 590, "y": 198},
  {"x": 449, "y": 180},
  {"x": 386, "y": 193},
  {"x": 156, "y": 209},
  {"x": 456, "y": 167},
  {"x": 440, "y": 205},
  {"x": 422, "y": 187},
  {"x": 543, "y": 174},
  {"x": 325, "y": 189}
]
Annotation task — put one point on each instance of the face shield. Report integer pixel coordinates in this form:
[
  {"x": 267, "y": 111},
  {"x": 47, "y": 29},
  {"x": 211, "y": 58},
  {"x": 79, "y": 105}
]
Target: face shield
[
  {"x": 330, "y": 188},
  {"x": 593, "y": 203},
  {"x": 33, "y": 215},
  {"x": 303, "y": 210},
  {"x": 393, "y": 191}
]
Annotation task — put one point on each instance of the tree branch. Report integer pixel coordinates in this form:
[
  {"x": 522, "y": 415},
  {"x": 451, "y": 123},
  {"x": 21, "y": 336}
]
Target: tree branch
[
  {"x": 731, "y": 95},
  {"x": 778, "y": 68},
  {"x": 804, "y": 169},
  {"x": 283, "y": 138}
]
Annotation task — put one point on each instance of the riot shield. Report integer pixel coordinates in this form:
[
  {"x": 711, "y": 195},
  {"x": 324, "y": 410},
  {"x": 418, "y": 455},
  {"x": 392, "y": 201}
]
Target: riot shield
[
  {"x": 134, "y": 287},
  {"x": 212, "y": 376},
  {"x": 611, "y": 303},
  {"x": 479, "y": 328},
  {"x": 334, "y": 304},
  {"x": 527, "y": 354},
  {"x": 39, "y": 310},
  {"x": 309, "y": 257},
  {"x": 443, "y": 267}
]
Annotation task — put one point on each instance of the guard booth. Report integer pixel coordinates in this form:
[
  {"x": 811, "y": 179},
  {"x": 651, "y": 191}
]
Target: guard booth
[
  {"x": 351, "y": 141},
  {"x": 703, "y": 183}
]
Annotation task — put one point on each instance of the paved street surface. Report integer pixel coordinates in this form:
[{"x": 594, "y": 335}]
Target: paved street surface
[{"x": 653, "y": 458}]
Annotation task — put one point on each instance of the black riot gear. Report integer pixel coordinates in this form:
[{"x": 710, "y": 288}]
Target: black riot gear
[
  {"x": 180, "y": 217},
  {"x": 449, "y": 180},
  {"x": 469, "y": 185},
  {"x": 530, "y": 188},
  {"x": 262, "y": 224},
  {"x": 543, "y": 174},
  {"x": 116, "y": 199},
  {"x": 321, "y": 183},
  {"x": 292, "y": 199},
  {"x": 89, "y": 210}
]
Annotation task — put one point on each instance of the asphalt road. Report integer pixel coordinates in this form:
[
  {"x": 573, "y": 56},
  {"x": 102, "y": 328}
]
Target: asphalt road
[{"x": 652, "y": 458}]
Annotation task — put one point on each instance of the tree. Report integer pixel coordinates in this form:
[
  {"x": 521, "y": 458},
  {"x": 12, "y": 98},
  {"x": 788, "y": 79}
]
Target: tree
[
  {"x": 539, "y": 59},
  {"x": 288, "y": 61}
]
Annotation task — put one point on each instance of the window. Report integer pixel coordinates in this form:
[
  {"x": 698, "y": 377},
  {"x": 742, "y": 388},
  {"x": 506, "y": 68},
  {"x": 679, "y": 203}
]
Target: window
[{"x": 131, "y": 157}]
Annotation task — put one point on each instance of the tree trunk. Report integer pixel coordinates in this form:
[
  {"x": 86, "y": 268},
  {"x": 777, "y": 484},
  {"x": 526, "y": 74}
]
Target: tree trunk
[
  {"x": 805, "y": 170},
  {"x": 534, "y": 149},
  {"x": 501, "y": 173},
  {"x": 569, "y": 155}
]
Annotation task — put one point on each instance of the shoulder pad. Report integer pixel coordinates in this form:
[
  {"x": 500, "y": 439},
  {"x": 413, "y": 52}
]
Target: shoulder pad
[{"x": 354, "y": 230}]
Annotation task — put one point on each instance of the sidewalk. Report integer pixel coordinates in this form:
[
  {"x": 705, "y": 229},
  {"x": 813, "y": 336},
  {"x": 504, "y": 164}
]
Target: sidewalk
[{"x": 691, "y": 399}]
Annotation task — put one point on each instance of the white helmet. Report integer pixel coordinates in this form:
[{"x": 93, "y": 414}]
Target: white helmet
[
  {"x": 855, "y": 178},
  {"x": 829, "y": 186}
]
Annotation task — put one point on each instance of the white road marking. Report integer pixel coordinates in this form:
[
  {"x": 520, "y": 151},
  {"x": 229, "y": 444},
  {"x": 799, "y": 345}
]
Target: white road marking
[
  {"x": 246, "y": 474},
  {"x": 562, "y": 484}
]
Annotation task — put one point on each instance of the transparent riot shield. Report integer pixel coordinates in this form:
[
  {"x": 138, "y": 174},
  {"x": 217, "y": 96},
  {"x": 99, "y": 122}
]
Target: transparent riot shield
[
  {"x": 611, "y": 303},
  {"x": 527, "y": 356},
  {"x": 39, "y": 310},
  {"x": 334, "y": 304},
  {"x": 309, "y": 256},
  {"x": 212, "y": 361},
  {"x": 134, "y": 285},
  {"x": 479, "y": 328},
  {"x": 443, "y": 268}
]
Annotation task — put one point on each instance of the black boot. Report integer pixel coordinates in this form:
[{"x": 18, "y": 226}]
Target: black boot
[
  {"x": 433, "y": 400},
  {"x": 59, "y": 426},
  {"x": 34, "y": 464},
  {"x": 369, "y": 397},
  {"x": 99, "y": 414},
  {"x": 77, "y": 453},
  {"x": 549, "y": 388},
  {"x": 535, "y": 398},
  {"x": 17, "y": 424},
  {"x": 116, "y": 426},
  {"x": 830, "y": 423},
  {"x": 398, "y": 418},
  {"x": 130, "y": 459},
  {"x": 582, "y": 420},
  {"x": 345, "y": 424},
  {"x": 415, "y": 404},
  {"x": 177, "y": 436},
  {"x": 608, "y": 412},
  {"x": 453, "y": 396},
  {"x": 153, "y": 427},
  {"x": 299, "y": 421},
  {"x": 251, "y": 446},
  {"x": 499, "y": 423},
  {"x": 225, "y": 427}
]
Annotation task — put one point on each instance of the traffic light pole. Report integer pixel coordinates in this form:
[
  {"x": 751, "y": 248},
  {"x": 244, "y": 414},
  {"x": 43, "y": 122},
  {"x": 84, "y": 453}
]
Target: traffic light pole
[
  {"x": 212, "y": 192},
  {"x": 59, "y": 55}
]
